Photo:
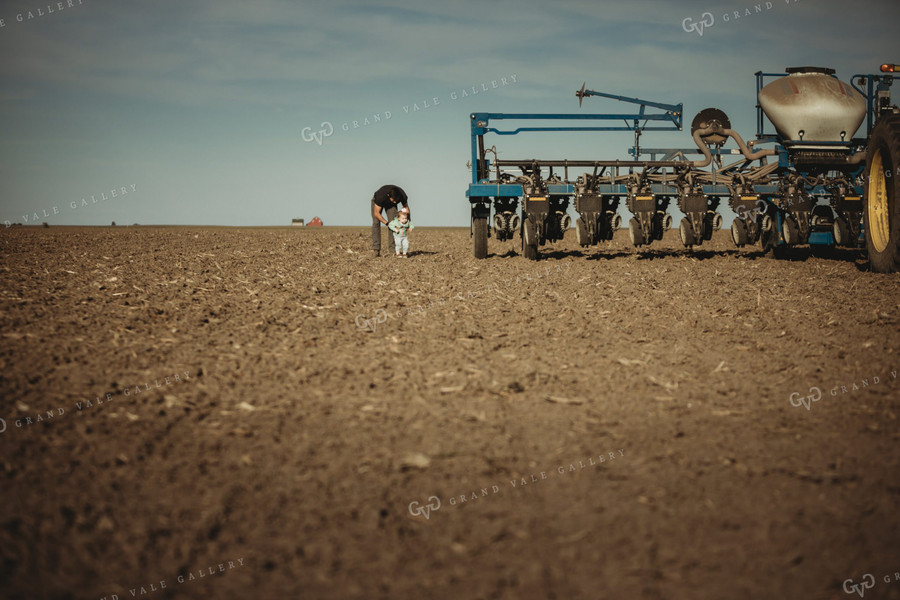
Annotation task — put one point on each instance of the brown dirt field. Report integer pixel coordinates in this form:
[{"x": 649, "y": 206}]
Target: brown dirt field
[{"x": 296, "y": 440}]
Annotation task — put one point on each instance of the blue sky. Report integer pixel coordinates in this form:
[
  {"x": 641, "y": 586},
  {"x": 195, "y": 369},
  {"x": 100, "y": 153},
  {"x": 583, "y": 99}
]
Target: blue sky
[{"x": 202, "y": 105}]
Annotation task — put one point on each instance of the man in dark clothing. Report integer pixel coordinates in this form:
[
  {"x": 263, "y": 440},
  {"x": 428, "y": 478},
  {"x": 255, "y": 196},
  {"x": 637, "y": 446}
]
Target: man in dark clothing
[{"x": 385, "y": 199}]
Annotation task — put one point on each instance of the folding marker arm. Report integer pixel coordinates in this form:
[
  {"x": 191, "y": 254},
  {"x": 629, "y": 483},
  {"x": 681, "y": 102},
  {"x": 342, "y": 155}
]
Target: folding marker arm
[{"x": 673, "y": 111}]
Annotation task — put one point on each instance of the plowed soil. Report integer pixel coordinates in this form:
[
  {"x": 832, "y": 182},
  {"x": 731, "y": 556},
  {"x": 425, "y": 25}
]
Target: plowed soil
[{"x": 332, "y": 410}]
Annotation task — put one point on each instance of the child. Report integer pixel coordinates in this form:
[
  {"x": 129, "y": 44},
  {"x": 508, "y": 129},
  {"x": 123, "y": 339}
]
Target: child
[{"x": 401, "y": 226}]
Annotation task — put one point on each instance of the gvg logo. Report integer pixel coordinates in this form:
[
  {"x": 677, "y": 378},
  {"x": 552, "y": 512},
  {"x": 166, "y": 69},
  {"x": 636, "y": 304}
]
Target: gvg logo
[
  {"x": 867, "y": 583},
  {"x": 706, "y": 20},
  {"x": 742, "y": 213},
  {"x": 425, "y": 511},
  {"x": 370, "y": 324},
  {"x": 814, "y": 396},
  {"x": 308, "y": 135},
  {"x": 815, "y": 392}
]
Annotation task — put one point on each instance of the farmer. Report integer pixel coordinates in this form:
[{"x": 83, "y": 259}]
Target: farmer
[{"x": 386, "y": 199}]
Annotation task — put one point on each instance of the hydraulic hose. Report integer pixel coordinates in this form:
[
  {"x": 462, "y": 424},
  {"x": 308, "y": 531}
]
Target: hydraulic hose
[
  {"x": 703, "y": 148},
  {"x": 728, "y": 133},
  {"x": 744, "y": 149},
  {"x": 857, "y": 158}
]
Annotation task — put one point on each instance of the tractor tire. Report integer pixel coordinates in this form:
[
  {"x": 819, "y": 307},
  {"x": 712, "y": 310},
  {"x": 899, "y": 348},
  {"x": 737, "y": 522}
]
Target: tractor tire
[
  {"x": 581, "y": 233},
  {"x": 634, "y": 231},
  {"x": 480, "y": 233},
  {"x": 687, "y": 233},
  {"x": 739, "y": 233},
  {"x": 529, "y": 240},
  {"x": 881, "y": 200}
]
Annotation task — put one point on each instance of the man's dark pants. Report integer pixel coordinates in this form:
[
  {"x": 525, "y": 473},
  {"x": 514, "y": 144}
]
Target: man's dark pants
[{"x": 390, "y": 214}]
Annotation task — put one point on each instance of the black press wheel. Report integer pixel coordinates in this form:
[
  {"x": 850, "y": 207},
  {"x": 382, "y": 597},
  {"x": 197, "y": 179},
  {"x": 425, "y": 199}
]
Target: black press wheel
[
  {"x": 772, "y": 246},
  {"x": 529, "y": 240},
  {"x": 881, "y": 210},
  {"x": 480, "y": 233},
  {"x": 790, "y": 232},
  {"x": 634, "y": 231},
  {"x": 710, "y": 224},
  {"x": 768, "y": 240},
  {"x": 841, "y": 233},
  {"x": 688, "y": 238},
  {"x": 581, "y": 232},
  {"x": 739, "y": 233}
]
